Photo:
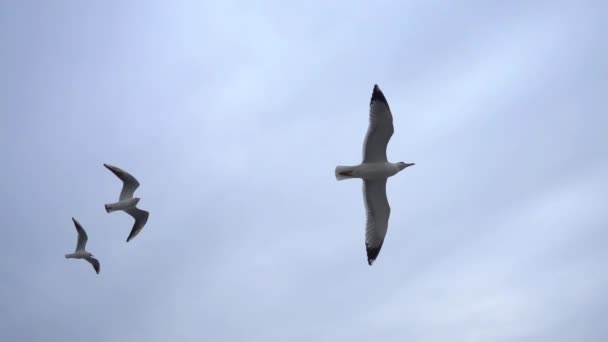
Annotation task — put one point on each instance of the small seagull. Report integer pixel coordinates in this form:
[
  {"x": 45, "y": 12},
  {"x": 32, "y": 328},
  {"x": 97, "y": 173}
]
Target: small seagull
[
  {"x": 80, "y": 252},
  {"x": 126, "y": 201},
  {"x": 375, "y": 170}
]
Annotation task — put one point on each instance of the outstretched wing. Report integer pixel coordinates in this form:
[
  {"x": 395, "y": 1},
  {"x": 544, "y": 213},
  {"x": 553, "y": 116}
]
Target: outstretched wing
[
  {"x": 94, "y": 262},
  {"x": 141, "y": 217},
  {"x": 380, "y": 129},
  {"x": 378, "y": 211},
  {"x": 82, "y": 236},
  {"x": 130, "y": 184}
]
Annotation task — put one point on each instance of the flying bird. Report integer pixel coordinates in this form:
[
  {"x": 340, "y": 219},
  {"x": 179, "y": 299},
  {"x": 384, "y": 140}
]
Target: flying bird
[
  {"x": 126, "y": 201},
  {"x": 374, "y": 170},
  {"x": 80, "y": 252}
]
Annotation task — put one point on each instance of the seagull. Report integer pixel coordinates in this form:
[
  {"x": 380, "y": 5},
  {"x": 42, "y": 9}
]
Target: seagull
[
  {"x": 374, "y": 170},
  {"x": 126, "y": 201},
  {"x": 80, "y": 252}
]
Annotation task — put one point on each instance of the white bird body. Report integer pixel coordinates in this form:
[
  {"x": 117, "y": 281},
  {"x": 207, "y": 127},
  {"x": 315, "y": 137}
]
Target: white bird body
[
  {"x": 78, "y": 255},
  {"x": 375, "y": 170},
  {"x": 81, "y": 252},
  {"x": 122, "y": 205},
  {"x": 370, "y": 171},
  {"x": 126, "y": 202}
]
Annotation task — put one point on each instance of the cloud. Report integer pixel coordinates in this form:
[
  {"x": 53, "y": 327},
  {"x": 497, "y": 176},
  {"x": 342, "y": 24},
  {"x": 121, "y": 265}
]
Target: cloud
[{"x": 233, "y": 116}]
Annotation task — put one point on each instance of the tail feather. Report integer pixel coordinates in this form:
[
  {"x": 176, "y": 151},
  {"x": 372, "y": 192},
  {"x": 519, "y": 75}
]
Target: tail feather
[{"x": 344, "y": 172}]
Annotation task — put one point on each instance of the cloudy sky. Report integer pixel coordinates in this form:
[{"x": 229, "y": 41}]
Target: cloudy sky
[{"x": 233, "y": 115}]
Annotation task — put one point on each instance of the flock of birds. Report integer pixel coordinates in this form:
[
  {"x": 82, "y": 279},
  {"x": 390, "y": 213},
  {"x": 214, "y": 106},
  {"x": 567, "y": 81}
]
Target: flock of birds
[
  {"x": 374, "y": 170},
  {"x": 126, "y": 202}
]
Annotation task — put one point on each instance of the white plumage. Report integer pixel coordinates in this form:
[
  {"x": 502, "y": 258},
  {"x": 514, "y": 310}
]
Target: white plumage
[
  {"x": 80, "y": 252},
  {"x": 374, "y": 170},
  {"x": 126, "y": 201}
]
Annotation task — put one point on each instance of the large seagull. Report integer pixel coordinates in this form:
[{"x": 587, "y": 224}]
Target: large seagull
[{"x": 374, "y": 170}]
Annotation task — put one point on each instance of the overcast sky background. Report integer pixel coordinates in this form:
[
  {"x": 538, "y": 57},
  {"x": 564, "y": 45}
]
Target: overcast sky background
[{"x": 233, "y": 115}]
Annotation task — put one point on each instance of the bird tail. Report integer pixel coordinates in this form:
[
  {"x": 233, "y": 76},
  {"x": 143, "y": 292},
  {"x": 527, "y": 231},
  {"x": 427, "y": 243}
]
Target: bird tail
[{"x": 344, "y": 172}]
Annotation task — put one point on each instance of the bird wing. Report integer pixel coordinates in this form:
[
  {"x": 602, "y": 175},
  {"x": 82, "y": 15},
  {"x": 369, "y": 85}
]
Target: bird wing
[
  {"x": 82, "y": 236},
  {"x": 130, "y": 184},
  {"x": 94, "y": 262},
  {"x": 378, "y": 211},
  {"x": 141, "y": 217},
  {"x": 380, "y": 128}
]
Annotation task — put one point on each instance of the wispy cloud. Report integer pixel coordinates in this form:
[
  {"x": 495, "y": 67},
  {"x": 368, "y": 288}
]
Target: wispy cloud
[{"x": 233, "y": 116}]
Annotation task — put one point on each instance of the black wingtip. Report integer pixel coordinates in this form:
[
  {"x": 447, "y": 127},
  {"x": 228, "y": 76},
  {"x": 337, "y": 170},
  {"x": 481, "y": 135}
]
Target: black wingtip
[
  {"x": 109, "y": 167},
  {"x": 372, "y": 253},
  {"x": 112, "y": 168},
  {"x": 131, "y": 236},
  {"x": 378, "y": 96}
]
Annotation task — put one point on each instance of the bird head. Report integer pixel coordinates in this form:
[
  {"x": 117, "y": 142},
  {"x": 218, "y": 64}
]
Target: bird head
[{"x": 402, "y": 165}]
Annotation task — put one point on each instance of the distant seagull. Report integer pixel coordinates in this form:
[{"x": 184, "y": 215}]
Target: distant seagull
[
  {"x": 126, "y": 202},
  {"x": 80, "y": 252},
  {"x": 375, "y": 170}
]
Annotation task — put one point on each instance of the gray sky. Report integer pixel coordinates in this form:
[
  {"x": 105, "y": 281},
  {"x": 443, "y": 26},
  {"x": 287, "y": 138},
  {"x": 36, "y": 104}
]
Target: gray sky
[{"x": 233, "y": 115}]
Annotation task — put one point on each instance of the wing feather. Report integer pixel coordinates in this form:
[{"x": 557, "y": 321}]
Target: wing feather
[
  {"x": 141, "y": 217},
  {"x": 130, "y": 183},
  {"x": 380, "y": 129},
  {"x": 82, "y": 236},
  {"x": 378, "y": 211},
  {"x": 95, "y": 263}
]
